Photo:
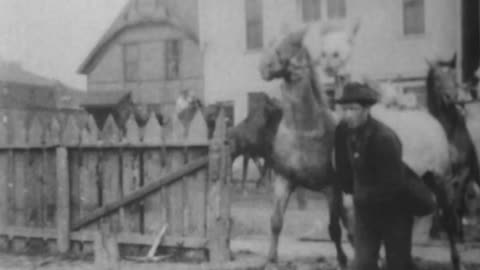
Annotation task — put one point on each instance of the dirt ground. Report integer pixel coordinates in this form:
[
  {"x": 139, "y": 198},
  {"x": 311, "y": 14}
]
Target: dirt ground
[{"x": 251, "y": 215}]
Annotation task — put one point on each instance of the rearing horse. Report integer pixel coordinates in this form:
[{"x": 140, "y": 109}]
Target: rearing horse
[
  {"x": 442, "y": 104},
  {"x": 303, "y": 141}
]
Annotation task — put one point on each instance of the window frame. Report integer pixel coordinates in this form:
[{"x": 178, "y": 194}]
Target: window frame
[
  {"x": 406, "y": 31},
  {"x": 333, "y": 11},
  {"x": 318, "y": 15},
  {"x": 173, "y": 57}
]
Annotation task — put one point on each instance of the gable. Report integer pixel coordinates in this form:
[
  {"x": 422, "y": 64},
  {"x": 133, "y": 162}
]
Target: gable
[{"x": 138, "y": 13}]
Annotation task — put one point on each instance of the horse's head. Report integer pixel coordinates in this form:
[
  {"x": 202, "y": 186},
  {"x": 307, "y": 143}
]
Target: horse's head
[
  {"x": 285, "y": 59},
  {"x": 330, "y": 44},
  {"x": 442, "y": 80}
]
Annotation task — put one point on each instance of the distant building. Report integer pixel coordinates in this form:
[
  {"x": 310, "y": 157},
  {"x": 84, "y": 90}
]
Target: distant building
[
  {"x": 152, "y": 50},
  {"x": 156, "y": 48},
  {"x": 22, "y": 89}
]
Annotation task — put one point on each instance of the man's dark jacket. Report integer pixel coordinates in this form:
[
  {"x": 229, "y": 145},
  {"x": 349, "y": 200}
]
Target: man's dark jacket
[{"x": 369, "y": 164}]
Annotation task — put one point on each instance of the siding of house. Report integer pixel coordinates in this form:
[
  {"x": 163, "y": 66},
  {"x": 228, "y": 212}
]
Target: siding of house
[
  {"x": 381, "y": 51},
  {"x": 151, "y": 85}
]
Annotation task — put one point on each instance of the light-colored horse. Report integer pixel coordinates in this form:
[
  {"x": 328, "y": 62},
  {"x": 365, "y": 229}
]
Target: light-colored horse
[{"x": 303, "y": 142}]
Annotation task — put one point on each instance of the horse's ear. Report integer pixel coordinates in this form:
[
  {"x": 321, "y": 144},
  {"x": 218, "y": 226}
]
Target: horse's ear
[
  {"x": 453, "y": 62},
  {"x": 354, "y": 30}
]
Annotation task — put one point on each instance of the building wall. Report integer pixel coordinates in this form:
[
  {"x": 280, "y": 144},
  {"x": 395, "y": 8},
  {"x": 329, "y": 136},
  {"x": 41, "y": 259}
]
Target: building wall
[
  {"x": 381, "y": 49},
  {"x": 22, "y": 96},
  {"x": 152, "y": 87}
]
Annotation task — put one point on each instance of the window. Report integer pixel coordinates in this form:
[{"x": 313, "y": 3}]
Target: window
[
  {"x": 311, "y": 10},
  {"x": 172, "y": 59},
  {"x": 254, "y": 27},
  {"x": 336, "y": 9},
  {"x": 413, "y": 17},
  {"x": 131, "y": 57}
]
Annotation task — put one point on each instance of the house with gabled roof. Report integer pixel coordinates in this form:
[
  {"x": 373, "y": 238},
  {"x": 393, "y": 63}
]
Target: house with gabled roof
[{"x": 151, "y": 49}]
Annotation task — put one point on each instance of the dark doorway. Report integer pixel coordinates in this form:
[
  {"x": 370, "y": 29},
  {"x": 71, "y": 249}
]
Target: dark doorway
[{"x": 470, "y": 38}]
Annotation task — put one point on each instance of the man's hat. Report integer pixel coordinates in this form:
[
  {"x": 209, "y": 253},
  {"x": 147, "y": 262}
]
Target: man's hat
[{"x": 358, "y": 93}]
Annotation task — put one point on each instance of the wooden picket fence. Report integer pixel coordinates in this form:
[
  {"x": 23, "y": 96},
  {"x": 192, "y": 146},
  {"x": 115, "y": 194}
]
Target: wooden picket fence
[{"x": 59, "y": 182}]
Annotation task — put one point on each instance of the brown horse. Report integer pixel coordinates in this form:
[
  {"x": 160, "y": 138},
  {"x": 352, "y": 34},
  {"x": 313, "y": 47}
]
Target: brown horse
[
  {"x": 303, "y": 141},
  {"x": 442, "y": 97}
]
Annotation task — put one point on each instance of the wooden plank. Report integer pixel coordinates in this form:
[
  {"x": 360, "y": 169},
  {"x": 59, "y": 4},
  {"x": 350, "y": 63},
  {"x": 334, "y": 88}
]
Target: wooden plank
[
  {"x": 3, "y": 190},
  {"x": 19, "y": 127},
  {"x": 74, "y": 173},
  {"x": 89, "y": 132},
  {"x": 33, "y": 183},
  {"x": 54, "y": 130},
  {"x": 218, "y": 211},
  {"x": 11, "y": 188},
  {"x": 198, "y": 131},
  {"x": 71, "y": 135},
  {"x": 196, "y": 197},
  {"x": 63, "y": 200},
  {"x": 131, "y": 182},
  {"x": 153, "y": 130},
  {"x": 4, "y": 175},
  {"x": 156, "y": 211},
  {"x": 132, "y": 215},
  {"x": 106, "y": 249},
  {"x": 142, "y": 192},
  {"x": 71, "y": 132},
  {"x": 176, "y": 194},
  {"x": 110, "y": 172},
  {"x": 36, "y": 174},
  {"x": 110, "y": 133},
  {"x": 50, "y": 188},
  {"x": 20, "y": 188},
  {"x": 89, "y": 181},
  {"x": 111, "y": 186}
]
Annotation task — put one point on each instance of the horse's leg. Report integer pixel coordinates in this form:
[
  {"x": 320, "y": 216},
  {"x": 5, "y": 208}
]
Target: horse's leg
[
  {"x": 449, "y": 218},
  {"x": 282, "y": 190},
  {"x": 434, "y": 232},
  {"x": 301, "y": 199},
  {"x": 261, "y": 169},
  {"x": 335, "y": 205},
  {"x": 246, "y": 159}
]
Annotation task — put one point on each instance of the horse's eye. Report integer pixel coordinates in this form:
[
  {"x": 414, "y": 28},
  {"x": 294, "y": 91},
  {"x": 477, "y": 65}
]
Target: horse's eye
[{"x": 335, "y": 54}]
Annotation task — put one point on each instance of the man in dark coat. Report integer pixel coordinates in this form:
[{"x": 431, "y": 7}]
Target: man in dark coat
[{"x": 368, "y": 157}]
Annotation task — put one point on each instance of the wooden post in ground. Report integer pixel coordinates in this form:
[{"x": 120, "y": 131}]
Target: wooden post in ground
[
  {"x": 63, "y": 201},
  {"x": 106, "y": 244},
  {"x": 218, "y": 202},
  {"x": 107, "y": 256}
]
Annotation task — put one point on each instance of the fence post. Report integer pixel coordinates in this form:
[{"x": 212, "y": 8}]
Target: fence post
[
  {"x": 218, "y": 202},
  {"x": 63, "y": 200}
]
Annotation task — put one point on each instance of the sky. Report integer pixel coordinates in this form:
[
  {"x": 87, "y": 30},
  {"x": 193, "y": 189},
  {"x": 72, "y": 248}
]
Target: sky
[{"x": 52, "y": 37}]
